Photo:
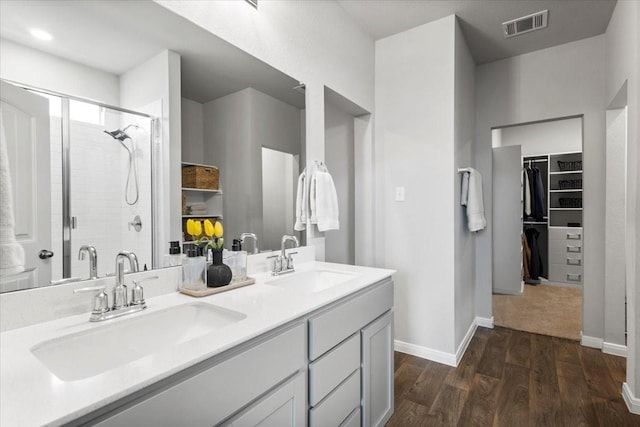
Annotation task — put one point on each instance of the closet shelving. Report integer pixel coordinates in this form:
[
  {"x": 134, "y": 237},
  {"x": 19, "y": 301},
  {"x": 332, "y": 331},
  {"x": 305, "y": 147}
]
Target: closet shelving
[{"x": 561, "y": 229}]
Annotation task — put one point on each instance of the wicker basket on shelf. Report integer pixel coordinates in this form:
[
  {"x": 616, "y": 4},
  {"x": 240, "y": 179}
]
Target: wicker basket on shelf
[{"x": 202, "y": 177}]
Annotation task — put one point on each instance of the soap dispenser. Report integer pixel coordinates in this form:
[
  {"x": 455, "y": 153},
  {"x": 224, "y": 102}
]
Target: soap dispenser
[
  {"x": 237, "y": 261},
  {"x": 174, "y": 257}
]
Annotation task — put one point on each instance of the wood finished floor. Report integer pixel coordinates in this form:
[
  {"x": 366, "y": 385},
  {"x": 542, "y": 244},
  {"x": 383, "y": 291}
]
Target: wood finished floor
[{"x": 512, "y": 378}]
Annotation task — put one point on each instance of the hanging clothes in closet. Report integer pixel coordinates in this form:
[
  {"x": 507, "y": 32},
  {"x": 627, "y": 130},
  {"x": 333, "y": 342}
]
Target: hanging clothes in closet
[
  {"x": 535, "y": 261},
  {"x": 533, "y": 193}
]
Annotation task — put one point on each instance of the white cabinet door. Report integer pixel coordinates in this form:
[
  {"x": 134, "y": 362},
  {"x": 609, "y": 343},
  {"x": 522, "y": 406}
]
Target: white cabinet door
[
  {"x": 284, "y": 407},
  {"x": 377, "y": 371},
  {"x": 507, "y": 222},
  {"x": 25, "y": 119}
]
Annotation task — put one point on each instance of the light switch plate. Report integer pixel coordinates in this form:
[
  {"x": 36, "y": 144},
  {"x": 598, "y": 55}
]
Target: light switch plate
[{"x": 399, "y": 194}]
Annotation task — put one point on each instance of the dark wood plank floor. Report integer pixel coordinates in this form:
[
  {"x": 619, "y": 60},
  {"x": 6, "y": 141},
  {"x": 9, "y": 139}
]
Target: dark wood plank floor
[{"x": 512, "y": 378}]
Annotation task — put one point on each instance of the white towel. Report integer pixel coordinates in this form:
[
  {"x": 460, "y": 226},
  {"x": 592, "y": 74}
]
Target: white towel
[
  {"x": 326, "y": 202},
  {"x": 475, "y": 206},
  {"x": 302, "y": 205},
  {"x": 11, "y": 252},
  {"x": 464, "y": 195}
]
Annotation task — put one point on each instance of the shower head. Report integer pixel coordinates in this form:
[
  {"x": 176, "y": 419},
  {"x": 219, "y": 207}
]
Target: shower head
[{"x": 118, "y": 134}]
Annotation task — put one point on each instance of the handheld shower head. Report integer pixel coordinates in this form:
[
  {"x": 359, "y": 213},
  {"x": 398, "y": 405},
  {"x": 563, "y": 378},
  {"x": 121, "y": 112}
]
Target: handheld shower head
[{"x": 118, "y": 134}]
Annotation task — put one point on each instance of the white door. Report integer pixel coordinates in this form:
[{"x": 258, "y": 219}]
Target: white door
[
  {"x": 507, "y": 220},
  {"x": 25, "y": 117}
]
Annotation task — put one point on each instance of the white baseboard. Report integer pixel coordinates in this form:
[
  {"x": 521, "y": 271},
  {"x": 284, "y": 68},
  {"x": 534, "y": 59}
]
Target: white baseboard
[
  {"x": 466, "y": 340},
  {"x": 426, "y": 353},
  {"x": 615, "y": 349},
  {"x": 633, "y": 403},
  {"x": 485, "y": 322},
  {"x": 592, "y": 342}
]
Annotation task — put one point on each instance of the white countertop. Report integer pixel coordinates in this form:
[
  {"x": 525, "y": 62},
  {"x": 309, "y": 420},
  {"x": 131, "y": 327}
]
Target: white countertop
[{"x": 30, "y": 395}]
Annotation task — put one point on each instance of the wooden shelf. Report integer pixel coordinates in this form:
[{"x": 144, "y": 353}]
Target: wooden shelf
[
  {"x": 198, "y": 164},
  {"x": 577, "y": 190},
  {"x": 565, "y": 209},
  {"x": 202, "y": 216},
  {"x": 204, "y": 190}
]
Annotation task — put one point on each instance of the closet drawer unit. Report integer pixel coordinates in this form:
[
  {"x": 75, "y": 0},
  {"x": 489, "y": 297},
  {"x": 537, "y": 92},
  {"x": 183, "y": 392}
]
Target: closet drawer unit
[
  {"x": 570, "y": 234},
  {"x": 565, "y": 273},
  {"x": 331, "y": 327},
  {"x": 338, "y": 406},
  {"x": 333, "y": 368},
  {"x": 560, "y": 249}
]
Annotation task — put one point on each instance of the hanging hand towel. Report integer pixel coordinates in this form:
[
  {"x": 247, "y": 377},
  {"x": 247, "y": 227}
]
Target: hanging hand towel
[
  {"x": 475, "y": 206},
  {"x": 464, "y": 195},
  {"x": 11, "y": 252},
  {"x": 326, "y": 201},
  {"x": 302, "y": 203}
]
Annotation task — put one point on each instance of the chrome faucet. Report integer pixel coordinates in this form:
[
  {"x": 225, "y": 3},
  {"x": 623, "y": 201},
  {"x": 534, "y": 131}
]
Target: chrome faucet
[
  {"x": 133, "y": 261},
  {"x": 120, "y": 290},
  {"x": 101, "y": 310},
  {"x": 255, "y": 240},
  {"x": 283, "y": 263},
  {"x": 93, "y": 259}
]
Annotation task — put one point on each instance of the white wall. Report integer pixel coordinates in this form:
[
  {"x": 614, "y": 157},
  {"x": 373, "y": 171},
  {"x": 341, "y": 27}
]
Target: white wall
[
  {"x": 556, "y": 136},
  {"x": 622, "y": 64},
  {"x": 464, "y": 140},
  {"x": 41, "y": 70},
  {"x": 414, "y": 129},
  {"x": 154, "y": 87},
  {"x": 561, "y": 81},
  {"x": 192, "y": 131},
  {"x": 315, "y": 42},
  {"x": 339, "y": 152},
  {"x": 616, "y": 174}
]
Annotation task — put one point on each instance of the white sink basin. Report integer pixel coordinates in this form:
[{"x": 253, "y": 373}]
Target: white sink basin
[
  {"x": 312, "y": 281},
  {"x": 92, "y": 352}
]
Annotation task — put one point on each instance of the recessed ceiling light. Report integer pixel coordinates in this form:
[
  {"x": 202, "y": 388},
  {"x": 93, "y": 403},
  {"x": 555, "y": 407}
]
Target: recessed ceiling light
[{"x": 40, "y": 34}]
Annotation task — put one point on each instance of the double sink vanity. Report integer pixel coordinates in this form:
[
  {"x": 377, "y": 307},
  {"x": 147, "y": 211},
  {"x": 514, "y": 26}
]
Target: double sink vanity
[{"x": 314, "y": 347}]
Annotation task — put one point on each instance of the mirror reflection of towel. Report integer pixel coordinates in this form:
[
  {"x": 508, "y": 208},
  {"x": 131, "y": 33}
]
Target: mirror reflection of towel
[
  {"x": 11, "y": 252},
  {"x": 472, "y": 197}
]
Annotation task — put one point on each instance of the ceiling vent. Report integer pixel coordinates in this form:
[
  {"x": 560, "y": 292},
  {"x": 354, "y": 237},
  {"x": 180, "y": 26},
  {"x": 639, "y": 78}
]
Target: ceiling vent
[{"x": 526, "y": 24}]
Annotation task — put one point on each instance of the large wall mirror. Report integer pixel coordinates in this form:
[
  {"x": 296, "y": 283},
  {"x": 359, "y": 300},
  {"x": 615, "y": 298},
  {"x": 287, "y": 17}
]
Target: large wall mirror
[{"x": 90, "y": 163}]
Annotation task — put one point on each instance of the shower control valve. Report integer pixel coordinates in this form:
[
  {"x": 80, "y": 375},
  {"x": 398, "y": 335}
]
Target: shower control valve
[{"x": 136, "y": 223}]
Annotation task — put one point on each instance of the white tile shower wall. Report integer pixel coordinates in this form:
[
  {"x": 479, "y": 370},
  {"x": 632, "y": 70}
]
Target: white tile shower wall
[
  {"x": 137, "y": 241},
  {"x": 98, "y": 179}
]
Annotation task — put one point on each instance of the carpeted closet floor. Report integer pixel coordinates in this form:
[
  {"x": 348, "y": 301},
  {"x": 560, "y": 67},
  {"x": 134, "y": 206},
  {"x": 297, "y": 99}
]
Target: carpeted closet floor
[{"x": 543, "y": 309}]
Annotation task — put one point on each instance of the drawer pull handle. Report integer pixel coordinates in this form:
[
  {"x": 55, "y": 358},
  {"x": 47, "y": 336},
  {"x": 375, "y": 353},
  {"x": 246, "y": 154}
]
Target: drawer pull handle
[
  {"x": 573, "y": 236},
  {"x": 574, "y": 261},
  {"x": 574, "y": 249},
  {"x": 573, "y": 277}
]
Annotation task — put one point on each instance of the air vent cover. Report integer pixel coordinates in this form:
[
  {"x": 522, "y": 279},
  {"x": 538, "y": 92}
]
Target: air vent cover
[{"x": 526, "y": 24}]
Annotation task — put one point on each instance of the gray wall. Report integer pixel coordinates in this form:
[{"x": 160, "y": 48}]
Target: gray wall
[
  {"x": 464, "y": 139},
  {"x": 557, "y": 82},
  {"x": 235, "y": 129},
  {"x": 339, "y": 157},
  {"x": 192, "y": 132}
]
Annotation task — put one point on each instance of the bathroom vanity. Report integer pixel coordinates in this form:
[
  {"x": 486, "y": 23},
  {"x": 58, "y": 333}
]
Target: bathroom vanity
[{"x": 311, "y": 348}]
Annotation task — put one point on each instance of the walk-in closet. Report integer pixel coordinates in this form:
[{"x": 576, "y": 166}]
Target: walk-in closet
[{"x": 538, "y": 227}]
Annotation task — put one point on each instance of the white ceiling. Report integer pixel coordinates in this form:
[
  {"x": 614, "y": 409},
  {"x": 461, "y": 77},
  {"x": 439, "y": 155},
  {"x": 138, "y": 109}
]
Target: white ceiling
[
  {"x": 480, "y": 20},
  {"x": 115, "y": 36}
]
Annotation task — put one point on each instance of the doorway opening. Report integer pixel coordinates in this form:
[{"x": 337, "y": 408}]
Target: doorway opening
[{"x": 538, "y": 265}]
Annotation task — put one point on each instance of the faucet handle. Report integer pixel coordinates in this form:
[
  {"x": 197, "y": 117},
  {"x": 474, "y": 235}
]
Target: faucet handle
[
  {"x": 137, "y": 292},
  {"x": 277, "y": 263},
  {"x": 290, "y": 259},
  {"x": 100, "y": 302}
]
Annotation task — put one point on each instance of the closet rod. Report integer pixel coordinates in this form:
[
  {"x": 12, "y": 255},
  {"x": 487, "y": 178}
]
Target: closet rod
[{"x": 535, "y": 161}]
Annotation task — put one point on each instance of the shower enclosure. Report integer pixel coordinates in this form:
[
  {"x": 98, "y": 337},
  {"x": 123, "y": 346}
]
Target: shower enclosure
[{"x": 101, "y": 185}]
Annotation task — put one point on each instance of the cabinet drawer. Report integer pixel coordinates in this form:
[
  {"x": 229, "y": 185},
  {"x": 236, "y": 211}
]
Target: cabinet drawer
[
  {"x": 565, "y": 233},
  {"x": 338, "y": 405},
  {"x": 211, "y": 396},
  {"x": 559, "y": 250},
  {"x": 353, "y": 420},
  {"x": 565, "y": 273},
  {"x": 331, "y": 327},
  {"x": 330, "y": 370}
]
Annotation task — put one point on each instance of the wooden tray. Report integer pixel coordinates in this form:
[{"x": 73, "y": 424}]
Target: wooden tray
[{"x": 210, "y": 291}]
